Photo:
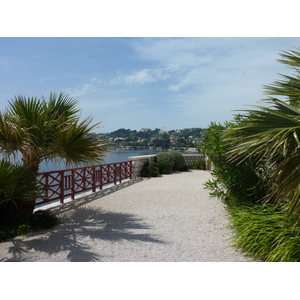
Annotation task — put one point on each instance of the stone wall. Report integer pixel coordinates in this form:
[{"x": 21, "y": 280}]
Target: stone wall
[
  {"x": 139, "y": 161},
  {"x": 190, "y": 158}
]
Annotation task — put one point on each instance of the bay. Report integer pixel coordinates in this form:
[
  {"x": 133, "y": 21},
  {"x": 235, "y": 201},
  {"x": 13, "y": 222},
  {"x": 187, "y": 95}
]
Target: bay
[{"x": 112, "y": 157}]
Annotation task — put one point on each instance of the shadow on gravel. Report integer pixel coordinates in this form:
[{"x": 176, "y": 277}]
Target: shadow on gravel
[{"x": 81, "y": 225}]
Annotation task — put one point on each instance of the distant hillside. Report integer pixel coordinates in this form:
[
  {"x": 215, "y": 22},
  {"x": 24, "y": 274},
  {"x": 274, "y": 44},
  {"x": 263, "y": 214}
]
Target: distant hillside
[{"x": 156, "y": 139}]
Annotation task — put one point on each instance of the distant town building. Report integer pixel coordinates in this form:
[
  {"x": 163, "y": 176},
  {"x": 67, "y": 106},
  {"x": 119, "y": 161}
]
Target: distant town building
[{"x": 145, "y": 129}]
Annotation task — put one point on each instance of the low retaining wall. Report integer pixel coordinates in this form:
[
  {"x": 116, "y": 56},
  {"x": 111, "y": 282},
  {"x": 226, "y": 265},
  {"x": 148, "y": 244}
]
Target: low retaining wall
[
  {"x": 139, "y": 161},
  {"x": 191, "y": 158}
]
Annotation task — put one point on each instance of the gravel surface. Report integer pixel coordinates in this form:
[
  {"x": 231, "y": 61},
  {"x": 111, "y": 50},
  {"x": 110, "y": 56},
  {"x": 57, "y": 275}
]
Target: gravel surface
[{"x": 165, "y": 219}]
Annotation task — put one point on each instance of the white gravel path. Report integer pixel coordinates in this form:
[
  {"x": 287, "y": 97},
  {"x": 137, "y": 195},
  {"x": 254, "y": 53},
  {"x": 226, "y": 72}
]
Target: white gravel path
[{"x": 165, "y": 219}]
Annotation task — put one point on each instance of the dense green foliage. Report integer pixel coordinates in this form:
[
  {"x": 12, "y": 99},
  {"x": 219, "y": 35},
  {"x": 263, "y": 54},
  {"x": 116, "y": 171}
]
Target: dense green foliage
[
  {"x": 179, "y": 160},
  {"x": 272, "y": 133},
  {"x": 166, "y": 163},
  {"x": 233, "y": 182},
  {"x": 256, "y": 170},
  {"x": 169, "y": 161},
  {"x": 15, "y": 188},
  {"x": 199, "y": 165},
  {"x": 164, "y": 167},
  {"x": 263, "y": 233},
  {"x": 150, "y": 170},
  {"x": 154, "y": 139},
  {"x": 40, "y": 220}
]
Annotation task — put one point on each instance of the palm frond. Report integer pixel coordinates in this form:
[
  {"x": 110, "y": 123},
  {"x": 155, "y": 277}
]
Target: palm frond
[
  {"x": 291, "y": 58},
  {"x": 74, "y": 143},
  {"x": 48, "y": 129},
  {"x": 62, "y": 105},
  {"x": 268, "y": 130},
  {"x": 273, "y": 133},
  {"x": 12, "y": 136}
]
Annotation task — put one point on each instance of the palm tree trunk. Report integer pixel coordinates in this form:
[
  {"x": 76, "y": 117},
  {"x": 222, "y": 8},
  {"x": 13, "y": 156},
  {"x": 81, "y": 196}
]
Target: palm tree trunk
[{"x": 26, "y": 207}]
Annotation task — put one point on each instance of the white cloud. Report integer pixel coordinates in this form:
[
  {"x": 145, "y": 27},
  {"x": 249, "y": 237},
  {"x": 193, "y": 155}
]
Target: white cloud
[
  {"x": 198, "y": 80},
  {"x": 136, "y": 77},
  {"x": 83, "y": 89},
  {"x": 207, "y": 63},
  {"x": 139, "y": 77}
]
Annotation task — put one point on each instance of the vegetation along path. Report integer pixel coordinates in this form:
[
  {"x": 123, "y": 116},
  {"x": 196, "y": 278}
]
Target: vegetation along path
[{"x": 169, "y": 218}]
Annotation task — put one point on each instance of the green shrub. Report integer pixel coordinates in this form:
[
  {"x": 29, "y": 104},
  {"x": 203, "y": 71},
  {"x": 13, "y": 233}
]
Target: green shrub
[
  {"x": 16, "y": 190},
  {"x": 164, "y": 168},
  {"x": 153, "y": 169},
  {"x": 168, "y": 159},
  {"x": 199, "y": 165},
  {"x": 40, "y": 220},
  {"x": 150, "y": 170},
  {"x": 245, "y": 181},
  {"x": 179, "y": 160},
  {"x": 144, "y": 171},
  {"x": 185, "y": 168},
  {"x": 263, "y": 233}
]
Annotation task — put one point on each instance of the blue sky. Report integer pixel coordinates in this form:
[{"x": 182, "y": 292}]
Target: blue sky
[{"x": 169, "y": 83}]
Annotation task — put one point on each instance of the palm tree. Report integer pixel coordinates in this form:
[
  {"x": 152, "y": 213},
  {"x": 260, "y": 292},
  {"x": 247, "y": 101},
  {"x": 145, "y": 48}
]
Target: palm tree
[
  {"x": 40, "y": 129},
  {"x": 273, "y": 133}
]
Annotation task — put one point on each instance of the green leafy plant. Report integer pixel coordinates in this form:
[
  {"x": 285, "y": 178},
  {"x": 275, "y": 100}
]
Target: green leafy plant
[
  {"x": 232, "y": 182},
  {"x": 262, "y": 232},
  {"x": 153, "y": 169},
  {"x": 185, "y": 168},
  {"x": 200, "y": 165},
  {"x": 150, "y": 170},
  {"x": 256, "y": 170},
  {"x": 179, "y": 160},
  {"x": 168, "y": 162},
  {"x": 164, "y": 167},
  {"x": 273, "y": 133},
  {"x": 16, "y": 190},
  {"x": 40, "y": 220}
]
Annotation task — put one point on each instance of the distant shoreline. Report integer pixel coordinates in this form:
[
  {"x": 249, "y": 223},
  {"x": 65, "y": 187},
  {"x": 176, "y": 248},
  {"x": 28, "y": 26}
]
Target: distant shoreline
[{"x": 156, "y": 150}]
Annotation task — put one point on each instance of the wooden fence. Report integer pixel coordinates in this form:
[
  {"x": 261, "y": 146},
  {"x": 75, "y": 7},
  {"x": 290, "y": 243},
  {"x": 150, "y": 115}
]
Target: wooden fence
[{"x": 57, "y": 185}]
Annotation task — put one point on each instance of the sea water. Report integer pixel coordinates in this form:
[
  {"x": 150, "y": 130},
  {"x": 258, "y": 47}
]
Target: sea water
[{"x": 112, "y": 156}]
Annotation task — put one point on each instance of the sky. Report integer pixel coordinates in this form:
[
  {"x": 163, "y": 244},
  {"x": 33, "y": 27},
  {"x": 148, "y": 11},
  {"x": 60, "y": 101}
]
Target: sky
[
  {"x": 133, "y": 83},
  {"x": 138, "y": 64}
]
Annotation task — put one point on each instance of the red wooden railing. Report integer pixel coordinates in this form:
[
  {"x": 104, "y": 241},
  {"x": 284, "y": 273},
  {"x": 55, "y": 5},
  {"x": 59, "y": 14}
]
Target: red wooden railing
[{"x": 57, "y": 185}]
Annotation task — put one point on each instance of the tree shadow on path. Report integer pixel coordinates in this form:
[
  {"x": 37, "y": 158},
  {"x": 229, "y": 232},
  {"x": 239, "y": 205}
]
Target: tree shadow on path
[{"x": 69, "y": 241}]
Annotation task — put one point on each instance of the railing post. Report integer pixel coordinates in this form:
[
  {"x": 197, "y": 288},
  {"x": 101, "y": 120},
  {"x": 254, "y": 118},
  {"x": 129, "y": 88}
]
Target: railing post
[
  {"x": 46, "y": 185},
  {"x": 84, "y": 178},
  {"x": 130, "y": 169},
  {"x": 73, "y": 185},
  {"x": 119, "y": 173},
  {"x": 61, "y": 192},
  {"x": 94, "y": 179},
  {"x": 115, "y": 174},
  {"x": 101, "y": 177}
]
